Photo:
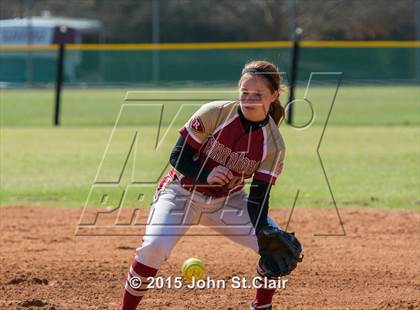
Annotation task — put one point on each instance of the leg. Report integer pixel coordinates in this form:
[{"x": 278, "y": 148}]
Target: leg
[
  {"x": 169, "y": 218},
  {"x": 233, "y": 222},
  {"x": 168, "y": 221}
]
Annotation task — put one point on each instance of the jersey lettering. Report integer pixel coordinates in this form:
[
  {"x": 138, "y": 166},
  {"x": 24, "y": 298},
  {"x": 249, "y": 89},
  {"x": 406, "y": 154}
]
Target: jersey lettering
[{"x": 236, "y": 161}]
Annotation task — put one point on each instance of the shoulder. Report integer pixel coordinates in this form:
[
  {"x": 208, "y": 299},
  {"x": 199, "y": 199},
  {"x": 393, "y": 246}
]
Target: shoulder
[
  {"x": 274, "y": 139},
  {"x": 210, "y": 116},
  {"x": 218, "y": 105},
  {"x": 217, "y": 112}
]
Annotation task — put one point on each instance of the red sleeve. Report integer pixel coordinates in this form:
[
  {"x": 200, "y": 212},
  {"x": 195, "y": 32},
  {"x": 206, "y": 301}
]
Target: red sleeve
[
  {"x": 265, "y": 176},
  {"x": 189, "y": 138}
]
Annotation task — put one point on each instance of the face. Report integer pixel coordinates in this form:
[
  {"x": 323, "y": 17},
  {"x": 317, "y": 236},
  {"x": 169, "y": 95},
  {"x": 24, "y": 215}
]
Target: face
[{"x": 255, "y": 97}]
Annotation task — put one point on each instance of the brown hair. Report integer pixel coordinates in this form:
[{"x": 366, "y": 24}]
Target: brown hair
[{"x": 274, "y": 82}]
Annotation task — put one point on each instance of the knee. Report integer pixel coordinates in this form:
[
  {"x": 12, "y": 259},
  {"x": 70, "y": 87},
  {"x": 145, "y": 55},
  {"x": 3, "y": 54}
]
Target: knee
[
  {"x": 154, "y": 252},
  {"x": 158, "y": 247}
]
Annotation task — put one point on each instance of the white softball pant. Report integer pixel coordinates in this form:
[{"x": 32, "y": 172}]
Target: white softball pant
[{"x": 175, "y": 210}]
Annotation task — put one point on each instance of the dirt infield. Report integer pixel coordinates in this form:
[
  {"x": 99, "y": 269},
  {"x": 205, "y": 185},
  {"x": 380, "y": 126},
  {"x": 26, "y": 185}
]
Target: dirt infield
[{"x": 375, "y": 266}]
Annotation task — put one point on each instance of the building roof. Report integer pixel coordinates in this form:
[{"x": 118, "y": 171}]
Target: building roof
[{"x": 80, "y": 24}]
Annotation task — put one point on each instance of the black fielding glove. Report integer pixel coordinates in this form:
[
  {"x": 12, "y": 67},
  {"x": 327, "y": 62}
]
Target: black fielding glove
[{"x": 280, "y": 252}]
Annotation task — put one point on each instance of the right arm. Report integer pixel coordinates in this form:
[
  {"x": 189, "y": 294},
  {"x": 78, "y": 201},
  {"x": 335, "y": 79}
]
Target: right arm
[
  {"x": 182, "y": 159},
  {"x": 193, "y": 134}
]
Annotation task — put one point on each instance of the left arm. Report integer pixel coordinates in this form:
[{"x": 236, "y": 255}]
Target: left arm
[
  {"x": 257, "y": 204},
  {"x": 280, "y": 251},
  {"x": 264, "y": 178}
]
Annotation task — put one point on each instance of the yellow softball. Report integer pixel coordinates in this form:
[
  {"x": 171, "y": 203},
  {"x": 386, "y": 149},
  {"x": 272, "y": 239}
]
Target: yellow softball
[{"x": 193, "y": 268}]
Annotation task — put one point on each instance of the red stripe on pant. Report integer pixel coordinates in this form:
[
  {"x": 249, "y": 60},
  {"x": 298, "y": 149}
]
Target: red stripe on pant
[{"x": 129, "y": 301}]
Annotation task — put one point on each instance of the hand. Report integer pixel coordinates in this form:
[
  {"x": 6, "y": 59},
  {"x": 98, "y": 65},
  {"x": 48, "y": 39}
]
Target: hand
[
  {"x": 219, "y": 175},
  {"x": 269, "y": 231},
  {"x": 280, "y": 252}
]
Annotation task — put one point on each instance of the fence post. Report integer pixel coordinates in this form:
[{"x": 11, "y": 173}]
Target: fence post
[
  {"x": 293, "y": 74},
  {"x": 58, "y": 84}
]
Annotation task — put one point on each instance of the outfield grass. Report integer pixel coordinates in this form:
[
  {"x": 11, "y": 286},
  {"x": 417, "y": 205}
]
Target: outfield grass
[
  {"x": 370, "y": 149},
  {"x": 354, "y": 106}
]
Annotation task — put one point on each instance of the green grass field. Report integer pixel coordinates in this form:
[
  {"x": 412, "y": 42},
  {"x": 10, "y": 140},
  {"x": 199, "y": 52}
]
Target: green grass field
[{"x": 370, "y": 148}]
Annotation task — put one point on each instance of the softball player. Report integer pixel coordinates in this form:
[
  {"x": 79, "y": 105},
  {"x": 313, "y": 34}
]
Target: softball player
[{"x": 223, "y": 143}]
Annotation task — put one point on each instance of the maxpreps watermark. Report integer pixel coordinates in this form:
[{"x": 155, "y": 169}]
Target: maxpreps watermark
[
  {"x": 235, "y": 282},
  {"x": 118, "y": 192}
]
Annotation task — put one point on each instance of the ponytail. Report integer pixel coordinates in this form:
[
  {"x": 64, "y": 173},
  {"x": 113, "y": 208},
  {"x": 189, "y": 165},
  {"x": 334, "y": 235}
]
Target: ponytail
[{"x": 277, "y": 112}]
